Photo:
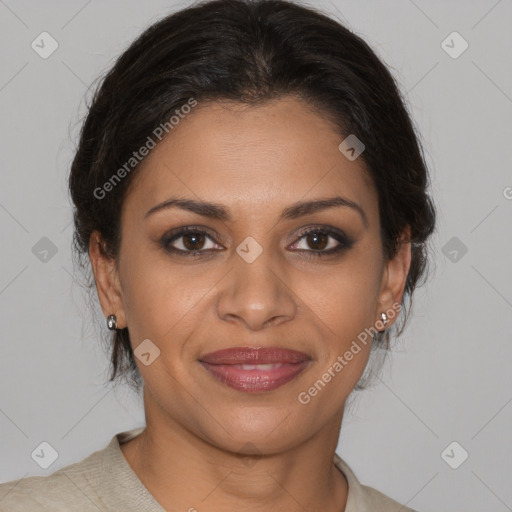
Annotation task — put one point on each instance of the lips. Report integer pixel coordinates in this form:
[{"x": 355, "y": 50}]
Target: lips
[
  {"x": 248, "y": 355},
  {"x": 255, "y": 369}
]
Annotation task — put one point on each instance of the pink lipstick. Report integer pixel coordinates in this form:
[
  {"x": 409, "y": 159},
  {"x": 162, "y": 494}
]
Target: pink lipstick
[{"x": 254, "y": 370}]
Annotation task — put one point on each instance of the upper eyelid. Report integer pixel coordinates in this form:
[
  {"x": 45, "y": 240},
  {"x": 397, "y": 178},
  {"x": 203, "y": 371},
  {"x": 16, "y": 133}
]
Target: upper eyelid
[
  {"x": 177, "y": 233},
  {"x": 326, "y": 229}
]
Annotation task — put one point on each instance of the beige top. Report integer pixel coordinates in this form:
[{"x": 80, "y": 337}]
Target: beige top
[{"x": 104, "y": 481}]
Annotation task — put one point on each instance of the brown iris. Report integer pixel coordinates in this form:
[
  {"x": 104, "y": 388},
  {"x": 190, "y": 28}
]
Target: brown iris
[
  {"x": 316, "y": 238},
  {"x": 192, "y": 241}
]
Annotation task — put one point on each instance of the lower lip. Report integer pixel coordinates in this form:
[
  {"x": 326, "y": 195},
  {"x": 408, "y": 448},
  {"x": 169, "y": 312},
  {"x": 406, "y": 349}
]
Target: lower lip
[{"x": 257, "y": 380}]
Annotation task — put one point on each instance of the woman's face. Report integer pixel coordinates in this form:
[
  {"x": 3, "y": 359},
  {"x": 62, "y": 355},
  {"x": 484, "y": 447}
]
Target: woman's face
[{"x": 256, "y": 279}]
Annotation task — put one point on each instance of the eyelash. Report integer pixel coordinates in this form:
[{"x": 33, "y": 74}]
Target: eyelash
[{"x": 344, "y": 241}]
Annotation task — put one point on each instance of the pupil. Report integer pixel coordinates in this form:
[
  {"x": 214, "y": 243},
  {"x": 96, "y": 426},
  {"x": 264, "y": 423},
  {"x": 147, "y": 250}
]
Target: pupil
[
  {"x": 195, "y": 237},
  {"x": 317, "y": 238}
]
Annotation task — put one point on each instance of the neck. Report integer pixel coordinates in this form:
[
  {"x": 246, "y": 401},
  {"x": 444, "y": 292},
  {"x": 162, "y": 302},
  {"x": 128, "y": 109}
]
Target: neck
[{"x": 184, "y": 471}]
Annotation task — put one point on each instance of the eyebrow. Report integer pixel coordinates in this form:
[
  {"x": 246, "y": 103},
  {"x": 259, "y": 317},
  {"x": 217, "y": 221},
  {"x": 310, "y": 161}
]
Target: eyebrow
[{"x": 219, "y": 212}]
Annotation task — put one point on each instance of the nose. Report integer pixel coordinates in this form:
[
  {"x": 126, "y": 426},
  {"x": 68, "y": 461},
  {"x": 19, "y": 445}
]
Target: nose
[{"x": 256, "y": 294}]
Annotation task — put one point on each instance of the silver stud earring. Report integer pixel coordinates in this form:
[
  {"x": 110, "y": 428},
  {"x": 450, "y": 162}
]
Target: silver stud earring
[
  {"x": 112, "y": 322},
  {"x": 384, "y": 318}
]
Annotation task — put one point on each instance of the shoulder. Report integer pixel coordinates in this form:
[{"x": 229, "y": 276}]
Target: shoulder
[
  {"x": 363, "y": 498},
  {"x": 71, "y": 488},
  {"x": 382, "y": 503}
]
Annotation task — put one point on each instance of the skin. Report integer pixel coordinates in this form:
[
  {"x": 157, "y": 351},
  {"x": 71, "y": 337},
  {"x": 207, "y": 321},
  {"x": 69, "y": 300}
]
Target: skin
[{"x": 255, "y": 161}]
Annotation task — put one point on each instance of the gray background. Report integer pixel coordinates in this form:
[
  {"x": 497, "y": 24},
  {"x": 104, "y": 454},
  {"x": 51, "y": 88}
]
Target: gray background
[{"x": 449, "y": 377}]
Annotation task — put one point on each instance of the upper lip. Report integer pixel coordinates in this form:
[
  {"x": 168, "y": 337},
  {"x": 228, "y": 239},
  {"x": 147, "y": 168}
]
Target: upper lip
[{"x": 259, "y": 355}]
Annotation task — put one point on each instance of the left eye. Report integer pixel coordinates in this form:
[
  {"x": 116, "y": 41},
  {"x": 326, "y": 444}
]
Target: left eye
[
  {"x": 191, "y": 241},
  {"x": 320, "y": 241}
]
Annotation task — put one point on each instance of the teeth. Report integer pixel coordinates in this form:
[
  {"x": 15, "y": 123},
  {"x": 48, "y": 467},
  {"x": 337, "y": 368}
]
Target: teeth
[{"x": 270, "y": 366}]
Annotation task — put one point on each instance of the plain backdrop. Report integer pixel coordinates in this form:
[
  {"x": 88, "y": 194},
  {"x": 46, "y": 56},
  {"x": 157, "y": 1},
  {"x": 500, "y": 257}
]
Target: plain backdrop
[{"x": 448, "y": 379}]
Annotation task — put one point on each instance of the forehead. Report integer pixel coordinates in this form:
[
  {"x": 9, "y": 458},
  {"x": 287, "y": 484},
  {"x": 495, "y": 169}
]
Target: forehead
[{"x": 253, "y": 158}]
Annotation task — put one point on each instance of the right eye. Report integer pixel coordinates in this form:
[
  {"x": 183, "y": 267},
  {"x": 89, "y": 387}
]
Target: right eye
[{"x": 188, "y": 241}]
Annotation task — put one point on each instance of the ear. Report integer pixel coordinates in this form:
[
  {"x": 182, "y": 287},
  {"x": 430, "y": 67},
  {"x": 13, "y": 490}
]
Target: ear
[
  {"x": 107, "y": 280},
  {"x": 395, "y": 276}
]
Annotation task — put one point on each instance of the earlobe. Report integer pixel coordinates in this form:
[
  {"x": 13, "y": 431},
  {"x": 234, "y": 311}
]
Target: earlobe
[
  {"x": 107, "y": 280},
  {"x": 395, "y": 275}
]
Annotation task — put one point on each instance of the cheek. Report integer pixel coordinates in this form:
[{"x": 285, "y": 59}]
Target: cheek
[
  {"x": 343, "y": 297},
  {"x": 151, "y": 296},
  {"x": 342, "y": 307},
  {"x": 159, "y": 297},
  {"x": 342, "y": 312}
]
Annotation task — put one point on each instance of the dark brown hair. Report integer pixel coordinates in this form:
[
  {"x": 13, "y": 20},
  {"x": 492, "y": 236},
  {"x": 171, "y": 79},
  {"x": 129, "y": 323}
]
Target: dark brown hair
[{"x": 249, "y": 52}]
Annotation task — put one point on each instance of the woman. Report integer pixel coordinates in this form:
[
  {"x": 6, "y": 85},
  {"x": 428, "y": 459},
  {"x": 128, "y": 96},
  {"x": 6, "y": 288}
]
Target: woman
[{"x": 252, "y": 198}]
